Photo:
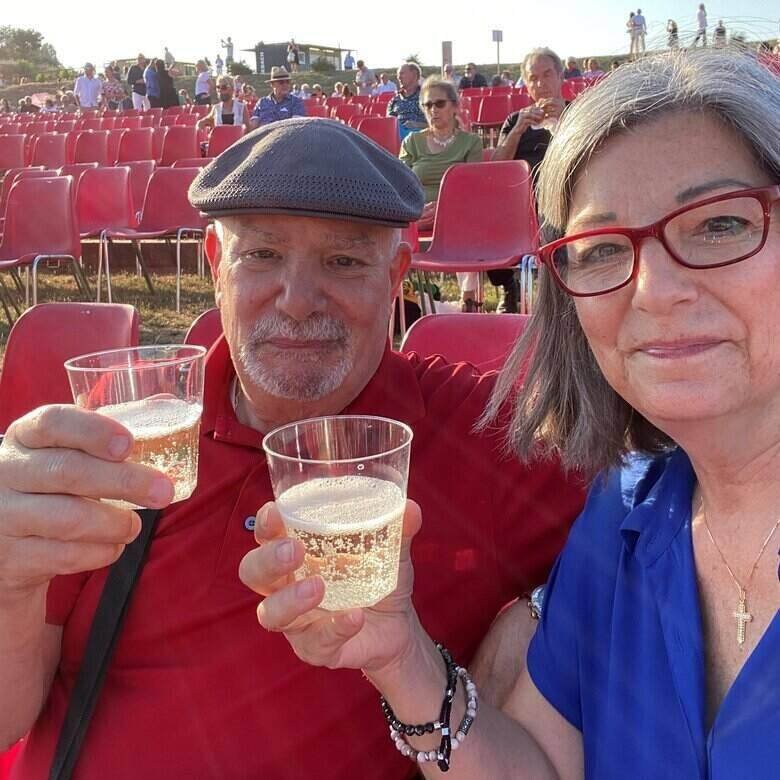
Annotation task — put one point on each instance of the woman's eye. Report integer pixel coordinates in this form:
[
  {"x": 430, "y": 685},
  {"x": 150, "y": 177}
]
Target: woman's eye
[
  {"x": 717, "y": 228},
  {"x": 602, "y": 252}
]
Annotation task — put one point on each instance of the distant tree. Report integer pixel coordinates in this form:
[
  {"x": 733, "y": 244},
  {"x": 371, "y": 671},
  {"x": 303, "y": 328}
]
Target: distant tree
[
  {"x": 413, "y": 58},
  {"x": 25, "y": 44},
  {"x": 239, "y": 69}
]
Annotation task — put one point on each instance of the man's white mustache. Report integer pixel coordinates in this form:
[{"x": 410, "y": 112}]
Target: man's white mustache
[{"x": 318, "y": 327}]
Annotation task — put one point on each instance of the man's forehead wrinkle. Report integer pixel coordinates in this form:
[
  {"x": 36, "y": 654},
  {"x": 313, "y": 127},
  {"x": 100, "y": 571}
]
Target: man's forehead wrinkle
[{"x": 344, "y": 241}]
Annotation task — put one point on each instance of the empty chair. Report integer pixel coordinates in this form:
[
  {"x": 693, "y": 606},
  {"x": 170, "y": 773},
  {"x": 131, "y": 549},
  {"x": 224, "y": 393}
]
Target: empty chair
[
  {"x": 192, "y": 162},
  {"x": 345, "y": 111},
  {"x": 114, "y": 139},
  {"x": 54, "y": 333},
  {"x": 28, "y": 238},
  {"x": 382, "y": 130},
  {"x": 205, "y": 330},
  {"x": 200, "y": 111},
  {"x": 461, "y": 338},
  {"x": 140, "y": 173},
  {"x": 130, "y": 122},
  {"x": 150, "y": 120},
  {"x": 475, "y": 91},
  {"x": 180, "y": 142},
  {"x": 91, "y": 146},
  {"x": 221, "y": 137},
  {"x": 76, "y": 170},
  {"x": 316, "y": 109},
  {"x": 167, "y": 212},
  {"x": 173, "y": 110},
  {"x": 493, "y": 110},
  {"x": 91, "y": 123},
  {"x": 158, "y": 112},
  {"x": 360, "y": 100},
  {"x": 108, "y": 122},
  {"x": 158, "y": 139},
  {"x": 11, "y": 151},
  {"x": 521, "y": 100},
  {"x": 49, "y": 150},
  {"x": 168, "y": 120},
  {"x": 136, "y": 145},
  {"x": 14, "y": 174},
  {"x": 104, "y": 202},
  {"x": 190, "y": 120}
]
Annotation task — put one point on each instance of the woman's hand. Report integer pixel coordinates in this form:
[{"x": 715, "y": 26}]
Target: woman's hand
[{"x": 370, "y": 639}]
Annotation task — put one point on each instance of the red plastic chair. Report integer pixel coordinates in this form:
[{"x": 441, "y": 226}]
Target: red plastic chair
[
  {"x": 140, "y": 173},
  {"x": 12, "y": 151},
  {"x": 173, "y": 110},
  {"x": 108, "y": 122},
  {"x": 360, "y": 100},
  {"x": 54, "y": 333},
  {"x": 493, "y": 110},
  {"x": 475, "y": 91},
  {"x": 383, "y": 131},
  {"x": 180, "y": 142},
  {"x": 167, "y": 213},
  {"x": 91, "y": 123},
  {"x": 472, "y": 230},
  {"x": 520, "y": 100},
  {"x": 12, "y": 175},
  {"x": 189, "y": 120},
  {"x": 200, "y": 111},
  {"x": 503, "y": 90},
  {"x": 28, "y": 239},
  {"x": 460, "y": 338},
  {"x": 384, "y": 98},
  {"x": 92, "y": 146},
  {"x": 130, "y": 122},
  {"x": 332, "y": 102},
  {"x": 158, "y": 139},
  {"x": 158, "y": 112},
  {"x": 345, "y": 111},
  {"x": 114, "y": 140},
  {"x": 205, "y": 330},
  {"x": 168, "y": 120},
  {"x": 104, "y": 202},
  {"x": 49, "y": 150},
  {"x": 316, "y": 109},
  {"x": 136, "y": 145},
  {"x": 223, "y": 136},
  {"x": 192, "y": 162},
  {"x": 76, "y": 170},
  {"x": 8, "y": 758},
  {"x": 149, "y": 120}
]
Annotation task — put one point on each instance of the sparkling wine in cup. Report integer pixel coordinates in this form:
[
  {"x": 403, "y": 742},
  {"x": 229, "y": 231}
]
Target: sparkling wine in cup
[
  {"x": 340, "y": 485},
  {"x": 156, "y": 392}
]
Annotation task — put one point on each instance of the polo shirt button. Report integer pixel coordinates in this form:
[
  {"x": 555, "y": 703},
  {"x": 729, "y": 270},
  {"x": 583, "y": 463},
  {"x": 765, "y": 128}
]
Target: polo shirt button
[{"x": 249, "y": 523}]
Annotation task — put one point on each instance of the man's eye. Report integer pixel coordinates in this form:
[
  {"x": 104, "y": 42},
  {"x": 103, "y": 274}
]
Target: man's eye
[
  {"x": 347, "y": 262},
  {"x": 259, "y": 254}
]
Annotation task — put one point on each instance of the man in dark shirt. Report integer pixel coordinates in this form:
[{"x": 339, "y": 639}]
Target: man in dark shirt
[
  {"x": 135, "y": 78},
  {"x": 526, "y": 135},
  {"x": 471, "y": 78}
]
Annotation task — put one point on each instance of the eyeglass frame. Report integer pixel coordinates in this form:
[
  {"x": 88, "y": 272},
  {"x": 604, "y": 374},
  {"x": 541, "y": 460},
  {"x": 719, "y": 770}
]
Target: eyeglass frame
[
  {"x": 430, "y": 104},
  {"x": 767, "y": 196}
]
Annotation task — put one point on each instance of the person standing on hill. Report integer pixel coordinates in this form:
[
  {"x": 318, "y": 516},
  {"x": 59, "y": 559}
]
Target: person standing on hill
[
  {"x": 364, "y": 79},
  {"x": 135, "y": 78},
  {"x": 88, "y": 88},
  {"x": 701, "y": 20},
  {"x": 640, "y": 26},
  {"x": 203, "y": 84}
]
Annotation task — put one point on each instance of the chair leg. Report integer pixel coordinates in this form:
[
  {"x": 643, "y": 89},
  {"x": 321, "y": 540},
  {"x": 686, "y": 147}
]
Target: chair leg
[
  {"x": 26, "y": 286},
  {"x": 108, "y": 270},
  {"x": 98, "y": 283},
  {"x": 17, "y": 280},
  {"x": 142, "y": 265},
  {"x": 429, "y": 290},
  {"x": 81, "y": 277},
  {"x": 35, "y": 280},
  {"x": 5, "y": 298},
  {"x": 179, "y": 234}
]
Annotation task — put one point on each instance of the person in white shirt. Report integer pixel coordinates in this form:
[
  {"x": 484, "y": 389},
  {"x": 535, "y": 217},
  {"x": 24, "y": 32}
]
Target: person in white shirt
[
  {"x": 218, "y": 65},
  {"x": 385, "y": 85},
  {"x": 701, "y": 18},
  {"x": 640, "y": 27},
  {"x": 364, "y": 80},
  {"x": 87, "y": 88},
  {"x": 203, "y": 84}
]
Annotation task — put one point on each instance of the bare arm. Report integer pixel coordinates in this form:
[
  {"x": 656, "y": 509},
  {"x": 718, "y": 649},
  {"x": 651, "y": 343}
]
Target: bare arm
[{"x": 507, "y": 146}]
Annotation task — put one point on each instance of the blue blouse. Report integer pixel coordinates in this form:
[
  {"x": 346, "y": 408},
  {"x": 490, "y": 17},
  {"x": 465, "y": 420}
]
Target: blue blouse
[{"x": 619, "y": 650}]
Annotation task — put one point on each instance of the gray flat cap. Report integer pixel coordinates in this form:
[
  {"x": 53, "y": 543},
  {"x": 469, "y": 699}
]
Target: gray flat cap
[{"x": 309, "y": 167}]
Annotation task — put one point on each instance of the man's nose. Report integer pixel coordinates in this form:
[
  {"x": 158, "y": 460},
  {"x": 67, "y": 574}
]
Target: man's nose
[{"x": 300, "y": 296}]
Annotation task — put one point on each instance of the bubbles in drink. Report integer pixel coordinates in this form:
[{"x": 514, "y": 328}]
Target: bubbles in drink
[
  {"x": 351, "y": 529},
  {"x": 165, "y": 432}
]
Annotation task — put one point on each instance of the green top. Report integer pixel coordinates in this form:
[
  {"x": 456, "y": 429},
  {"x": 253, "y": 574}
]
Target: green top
[{"x": 429, "y": 166}]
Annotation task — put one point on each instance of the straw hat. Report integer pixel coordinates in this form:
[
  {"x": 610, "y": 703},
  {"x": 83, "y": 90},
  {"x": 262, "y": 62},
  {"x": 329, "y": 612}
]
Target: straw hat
[{"x": 278, "y": 74}]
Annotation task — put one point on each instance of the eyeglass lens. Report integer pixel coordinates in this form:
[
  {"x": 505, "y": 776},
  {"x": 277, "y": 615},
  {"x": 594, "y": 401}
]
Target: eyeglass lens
[
  {"x": 710, "y": 235},
  {"x": 438, "y": 103}
]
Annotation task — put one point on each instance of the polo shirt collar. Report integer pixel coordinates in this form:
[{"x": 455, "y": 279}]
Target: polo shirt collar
[
  {"x": 661, "y": 505},
  {"x": 393, "y": 392}
]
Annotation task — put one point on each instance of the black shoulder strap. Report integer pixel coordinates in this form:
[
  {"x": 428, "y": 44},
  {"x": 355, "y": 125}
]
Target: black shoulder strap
[{"x": 103, "y": 635}]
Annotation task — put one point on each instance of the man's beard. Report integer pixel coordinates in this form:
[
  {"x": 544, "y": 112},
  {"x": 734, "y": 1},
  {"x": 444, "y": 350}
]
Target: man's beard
[{"x": 307, "y": 377}]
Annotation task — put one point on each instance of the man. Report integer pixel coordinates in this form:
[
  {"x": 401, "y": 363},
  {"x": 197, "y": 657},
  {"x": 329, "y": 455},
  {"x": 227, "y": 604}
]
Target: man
[
  {"x": 506, "y": 79},
  {"x": 152, "y": 81},
  {"x": 572, "y": 69},
  {"x": 385, "y": 85},
  {"x": 448, "y": 74},
  {"x": 308, "y": 258},
  {"x": 135, "y": 78},
  {"x": 406, "y": 104},
  {"x": 168, "y": 57},
  {"x": 719, "y": 35},
  {"x": 364, "y": 79},
  {"x": 203, "y": 84},
  {"x": 228, "y": 47},
  {"x": 471, "y": 78},
  {"x": 349, "y": 61},
  {"x": 87, "y": 88},
  {"x": 523, "y": 138},
  {"x": 280, "y": 104},
  {"x": 218, "y": 65},
  {"x": 640, "y": 29},
  {"x": 701, "y": 23}
]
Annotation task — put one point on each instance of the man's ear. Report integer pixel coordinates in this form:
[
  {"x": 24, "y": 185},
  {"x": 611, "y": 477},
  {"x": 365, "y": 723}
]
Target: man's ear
[
  {"x": 213, "y": 247},
  {"x": 399, "y": 267}
]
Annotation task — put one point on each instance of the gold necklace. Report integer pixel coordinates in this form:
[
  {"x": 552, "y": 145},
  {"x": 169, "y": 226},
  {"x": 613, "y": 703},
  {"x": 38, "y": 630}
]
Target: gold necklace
[{"x": 742, "y": 616}]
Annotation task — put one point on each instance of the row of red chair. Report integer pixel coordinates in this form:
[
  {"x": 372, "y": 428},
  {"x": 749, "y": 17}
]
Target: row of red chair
[{"x": 106, "y": 147}]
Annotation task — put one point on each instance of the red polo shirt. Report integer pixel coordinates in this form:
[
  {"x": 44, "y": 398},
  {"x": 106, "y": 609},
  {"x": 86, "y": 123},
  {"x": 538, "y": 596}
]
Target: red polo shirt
[{"x": 196, "y": 689}]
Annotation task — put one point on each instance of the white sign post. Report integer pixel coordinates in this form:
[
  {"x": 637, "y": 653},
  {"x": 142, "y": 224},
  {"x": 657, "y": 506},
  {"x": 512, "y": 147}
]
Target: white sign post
[{"x": 498, "y": 36}]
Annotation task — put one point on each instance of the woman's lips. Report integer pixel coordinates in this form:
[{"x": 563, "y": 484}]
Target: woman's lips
[{"x": 675, "y": 350}]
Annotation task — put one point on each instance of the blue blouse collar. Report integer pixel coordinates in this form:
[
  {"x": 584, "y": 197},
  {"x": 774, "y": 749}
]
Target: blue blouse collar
[{"x": 657, "y": 494}]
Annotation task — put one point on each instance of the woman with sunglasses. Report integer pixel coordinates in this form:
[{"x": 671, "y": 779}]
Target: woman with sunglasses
[
  {"x": 227, "y": 110},
  {"x": 430, "y": 152},
  {"x": 654, "y": 356}
]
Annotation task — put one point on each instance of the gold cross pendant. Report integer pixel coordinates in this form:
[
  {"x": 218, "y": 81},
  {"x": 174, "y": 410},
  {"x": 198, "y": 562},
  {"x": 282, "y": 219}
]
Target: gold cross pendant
[{"x": 743, "y": 617}]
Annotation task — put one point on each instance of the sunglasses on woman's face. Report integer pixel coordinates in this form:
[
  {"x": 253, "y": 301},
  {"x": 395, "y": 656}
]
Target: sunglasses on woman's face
[
  {"x": 438, "y": 103},
  {"x": 223, "y": 87}
]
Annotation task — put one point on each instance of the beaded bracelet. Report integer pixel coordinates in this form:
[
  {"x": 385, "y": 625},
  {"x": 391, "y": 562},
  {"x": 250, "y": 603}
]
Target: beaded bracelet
[{"x": 449, "y": 741}]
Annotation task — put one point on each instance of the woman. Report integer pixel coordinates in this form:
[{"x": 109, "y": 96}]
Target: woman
[
  {"x": 5, "y": 106},
  {"x": 658, "y": 652},
  {"x": 293, "y": 56},
  {"x": 113, "y": 90},
  {"x": 633, "y": 35},
  {"x": 249, "y": 98},
  {"x": 432, "y": 151},
  {"x": 673, "y": 35},
  {"x": 227, "y": 110},
  {"x": 168, "y": 95},
  {"x": 337, "y": 88},
  {"x": 346, "y": 92}
]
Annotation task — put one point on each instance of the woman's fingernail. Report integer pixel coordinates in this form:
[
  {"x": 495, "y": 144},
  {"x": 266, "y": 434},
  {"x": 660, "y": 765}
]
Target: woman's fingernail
[
  {"x": 306, "y": 589},
  {"x": 285, "y": 551},
  {"x": 118, "y": 445}
]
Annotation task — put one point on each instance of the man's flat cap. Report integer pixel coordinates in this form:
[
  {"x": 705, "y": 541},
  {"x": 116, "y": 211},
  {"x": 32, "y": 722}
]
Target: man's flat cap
[{"x": 309, "y": 167}]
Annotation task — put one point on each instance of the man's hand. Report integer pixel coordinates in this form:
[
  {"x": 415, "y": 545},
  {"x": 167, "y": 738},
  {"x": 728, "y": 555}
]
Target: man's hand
[
  {"x": 526, "y": 117},
  {"x": 56, "y": 463},
  {"x": 552, "y": 107}
]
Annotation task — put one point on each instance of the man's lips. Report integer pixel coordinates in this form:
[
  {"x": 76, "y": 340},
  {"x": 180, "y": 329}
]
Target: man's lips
[
  {"x": 674, "y": 350},
  {"x": 283, "y": 343}
]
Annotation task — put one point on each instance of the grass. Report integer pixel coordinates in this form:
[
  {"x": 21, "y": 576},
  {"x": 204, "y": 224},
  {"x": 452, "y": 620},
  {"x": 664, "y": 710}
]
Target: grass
[{"x": 160, "y": 324}]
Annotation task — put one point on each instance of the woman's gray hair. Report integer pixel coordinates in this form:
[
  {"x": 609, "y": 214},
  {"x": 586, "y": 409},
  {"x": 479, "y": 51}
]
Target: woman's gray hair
[{"x": 565, "y": 406}]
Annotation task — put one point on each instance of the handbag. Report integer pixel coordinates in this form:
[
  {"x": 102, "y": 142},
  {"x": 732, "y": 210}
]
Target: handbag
[{"x": 103, "y": 635}]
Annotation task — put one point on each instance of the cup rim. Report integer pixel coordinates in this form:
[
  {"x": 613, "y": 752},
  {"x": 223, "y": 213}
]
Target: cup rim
[
  {"x": 272, "y": 453},
  {"x": 197, "y": 352}
]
